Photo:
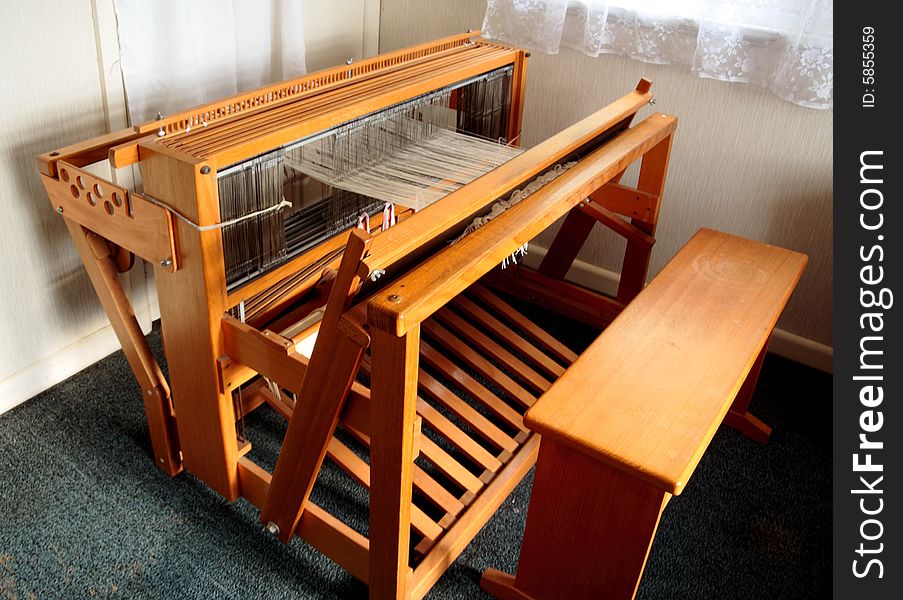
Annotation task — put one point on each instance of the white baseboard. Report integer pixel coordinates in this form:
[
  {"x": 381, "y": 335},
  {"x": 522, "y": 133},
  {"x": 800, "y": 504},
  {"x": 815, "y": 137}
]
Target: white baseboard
[
  {"x": 783, "y": 343},
  {"x": 59, "y": 366}
]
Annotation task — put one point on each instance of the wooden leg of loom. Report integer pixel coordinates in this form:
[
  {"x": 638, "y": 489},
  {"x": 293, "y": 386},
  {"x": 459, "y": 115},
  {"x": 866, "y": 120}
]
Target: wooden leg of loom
[
  {"x": 98, "y": 261},
  {"x": 739, "y": 416},
  {"x": 653, "y": 170},
  {"x": 393, "y": 412},
  {"x": 589, "y": 531}
]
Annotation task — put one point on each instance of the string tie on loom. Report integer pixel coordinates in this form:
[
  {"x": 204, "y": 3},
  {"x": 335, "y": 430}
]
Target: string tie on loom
[{"x": 284, "y": 204}]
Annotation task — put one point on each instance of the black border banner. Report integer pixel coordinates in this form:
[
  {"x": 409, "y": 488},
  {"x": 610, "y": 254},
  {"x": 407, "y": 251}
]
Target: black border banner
[{"x": 868, "y": 269}]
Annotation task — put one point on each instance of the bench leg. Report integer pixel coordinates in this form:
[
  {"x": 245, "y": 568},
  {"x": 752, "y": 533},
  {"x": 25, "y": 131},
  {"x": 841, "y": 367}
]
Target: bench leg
[
  {"x": 739, "y": 416},
  {"x": 589, "y": 530}
]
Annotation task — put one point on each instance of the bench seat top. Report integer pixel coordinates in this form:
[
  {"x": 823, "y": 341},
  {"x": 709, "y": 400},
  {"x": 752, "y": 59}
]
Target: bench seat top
[{"x": 649, "y": 393}]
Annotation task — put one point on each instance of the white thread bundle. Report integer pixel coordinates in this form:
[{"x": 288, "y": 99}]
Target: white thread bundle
[
  {"x": 427, "y": 162},
  {"x": 514, "y": 198}
]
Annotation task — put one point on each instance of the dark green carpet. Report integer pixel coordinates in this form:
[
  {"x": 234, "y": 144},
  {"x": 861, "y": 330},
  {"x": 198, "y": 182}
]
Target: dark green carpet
[{"x": 84, "y": 513}]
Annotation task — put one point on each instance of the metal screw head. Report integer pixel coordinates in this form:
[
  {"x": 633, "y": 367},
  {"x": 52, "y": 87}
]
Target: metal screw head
[
  {"x": 348, "y": 61},
  {"x": 394, "y": 298},
  {"x": 161, "y": 132},
  {"x": 59, "y": 209},
  {"x": 159, "y": 116},
  {"x": 376, "y": 274},
  {"x": 150, "y": 392},
  {"x": 166, "y": 263},
  {"x": 205, "y": 170},
  {"x": 272, "y": 528}
]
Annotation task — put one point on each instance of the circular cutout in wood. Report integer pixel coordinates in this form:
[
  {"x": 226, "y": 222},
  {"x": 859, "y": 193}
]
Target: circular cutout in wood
[
  {"x": 64, "y": 175},
  {"x": 98, "y": 190},
  {"x": 74, "y": 191},
  {"x": 108, "y": 207},
  {"x": 81, "y": 182},
  {"x": 117, "y": 199},
  {"x": 91, "y": 199}
]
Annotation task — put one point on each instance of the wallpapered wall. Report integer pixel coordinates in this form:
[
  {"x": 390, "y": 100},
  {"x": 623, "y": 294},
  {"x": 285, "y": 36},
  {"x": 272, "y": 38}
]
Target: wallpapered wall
[{"x": 743, "y": 161}]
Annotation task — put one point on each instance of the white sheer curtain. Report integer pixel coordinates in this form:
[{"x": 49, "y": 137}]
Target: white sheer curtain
[
  {"x": 785, "y": 45},
  {"x": 178, "y": 54}
]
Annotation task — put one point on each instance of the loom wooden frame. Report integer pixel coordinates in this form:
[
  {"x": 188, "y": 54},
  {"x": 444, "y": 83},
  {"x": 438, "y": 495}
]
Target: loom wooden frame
[{"x": 210, "y": 354}]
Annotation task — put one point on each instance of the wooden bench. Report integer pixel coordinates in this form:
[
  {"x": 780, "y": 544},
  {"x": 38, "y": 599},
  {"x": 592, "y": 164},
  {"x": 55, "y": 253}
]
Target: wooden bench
[{"x": 625, "y": 426}]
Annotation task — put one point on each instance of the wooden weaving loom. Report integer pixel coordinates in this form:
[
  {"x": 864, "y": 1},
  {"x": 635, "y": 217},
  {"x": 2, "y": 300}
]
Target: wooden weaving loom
[{"x": 437, "y": 436}]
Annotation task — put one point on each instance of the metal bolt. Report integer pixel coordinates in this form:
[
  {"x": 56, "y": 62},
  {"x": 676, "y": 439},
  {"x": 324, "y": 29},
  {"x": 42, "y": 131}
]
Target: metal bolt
[
  {"x": 159, "y": 116},
  {"x": 205, "y": 170},
  {"x": 161, "y": 132},
  {"x": 376, "y": 274},
  {"x": 150, "y": 392},
  {"x": 348, "y": 61},
  {"x": 166, "y": 263},
  {"x": 652, "y": 101},
  {"x": 394, "y": 298},
  {"x": 59, "y": 209},
  {"x": 272, "y": 528}
]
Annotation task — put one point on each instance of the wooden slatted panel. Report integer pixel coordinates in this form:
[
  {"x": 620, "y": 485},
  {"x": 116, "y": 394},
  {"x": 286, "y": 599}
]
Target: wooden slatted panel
[
  {"x": 431, "y": 489},
  {"x": 478, "y": 363},
  {"x": 453, "y": 434},
  {"x": 483, "y": 319},
  {"x": 466, "y": 412},
  {"x": 490, "y": 347},
  {"x": 471, "y": 386},
  {"x": 359, "y": 470},
  {"x": 508, "y": 313}
]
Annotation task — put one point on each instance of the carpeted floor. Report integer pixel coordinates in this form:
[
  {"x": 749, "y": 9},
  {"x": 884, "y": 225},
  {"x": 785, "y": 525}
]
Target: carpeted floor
[{"x": 84, "y": 513}]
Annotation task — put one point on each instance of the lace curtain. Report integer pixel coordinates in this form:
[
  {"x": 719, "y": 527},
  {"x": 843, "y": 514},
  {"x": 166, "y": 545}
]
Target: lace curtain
[{"x": 784, "y": 45}]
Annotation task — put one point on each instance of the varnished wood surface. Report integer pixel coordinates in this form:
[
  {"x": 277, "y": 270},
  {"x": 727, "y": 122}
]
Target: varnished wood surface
[
  {"x": 434, "y": 220},
  {"x": 649, "y": 393},
  {"x": 111, "y": 211},
  {"x": 422, "y": 291}
]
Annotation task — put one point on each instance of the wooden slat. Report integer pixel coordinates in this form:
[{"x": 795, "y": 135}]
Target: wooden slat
[
  {"x": 412, "y": 298},
  {"x": 482, "y": 318},
  {"x": 488, "y": 346},
  {"x": 611, "y": 220},
  {"x": 431, "y": 489},
  {"x": 627, "y": 201},
  {"x": 448, "y": 430},
  {"x": 83, "y": 153},
  {"x": 484, "y": 506},
  {"x": 508, "y": 313},
  {"x": 471, "y": 386},
  {"x": 448, "y": 466},
  {"x": 267, "y": 353},
  {"x": 330, "y": 536},
  {"x": 265, "y": 97},
  {"x": 703, "y": 320},
  {"x": 480, "y": 364},
  {"x": 466, "y": 412},
  {"x": 456, "y": 437},
  {"x": 324, "y": 390},
  {"x": 556, "y": 295},
  {"x": 359, "y": 470}
]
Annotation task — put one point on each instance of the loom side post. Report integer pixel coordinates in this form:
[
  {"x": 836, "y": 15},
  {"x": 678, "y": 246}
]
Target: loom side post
[{"x": 192, "y": 303}]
